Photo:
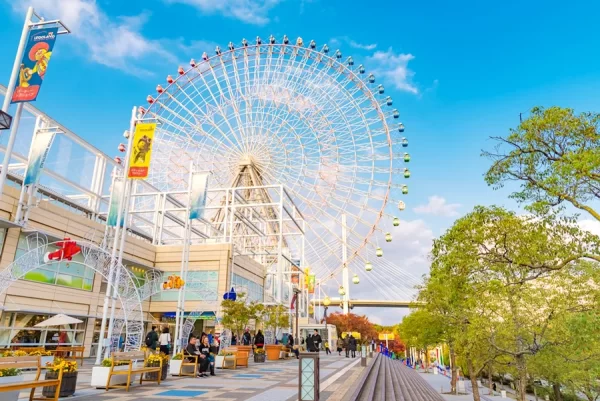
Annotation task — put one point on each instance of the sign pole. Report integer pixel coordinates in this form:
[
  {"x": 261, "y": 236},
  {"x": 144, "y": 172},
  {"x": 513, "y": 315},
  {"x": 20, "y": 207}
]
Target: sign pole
[{"x": 124, "y": 206}]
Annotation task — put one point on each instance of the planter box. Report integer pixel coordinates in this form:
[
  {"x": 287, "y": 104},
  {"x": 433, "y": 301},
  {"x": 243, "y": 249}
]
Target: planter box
[
  {"x": 175, "y": 367},
  {"x": 272, "y": 352},
  {"x": 219, "y": 361},
  {"x": 100, "y": 376},
  {"x": 10, "y": 395},
  {"x": 67, "y": 387}
]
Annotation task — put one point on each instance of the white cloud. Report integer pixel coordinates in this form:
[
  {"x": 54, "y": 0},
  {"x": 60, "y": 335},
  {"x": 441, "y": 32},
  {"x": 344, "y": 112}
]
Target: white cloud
[
  {"x": 117, "y": 44},
  {"x": 437, "y": 206},
  {"x": 254, "y": 12},
  {"x": 590, "y": 225},
  {"x": 394, "y": 68},
  {"x": 352, "y": 43}
]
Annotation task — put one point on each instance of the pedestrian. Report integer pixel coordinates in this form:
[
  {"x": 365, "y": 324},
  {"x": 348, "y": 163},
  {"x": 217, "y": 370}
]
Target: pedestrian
[
  {"x": 340, "y": 346},
  {"x": 152, "y": 339},
  {"x": 310, "y": 343},
  {"x": 293, "y": 348},
  {"x": 259, "y": 340},
  {"x": 352, "y": 342},
  {"x": 247, "y": 339},
  {"x": 165, "y": 341},
  {"x": 327, "y": 350},
  {"x": 234, "y": 340},
  {"x": 494, "y": 388},
  {"x": 347, "y": 345},
  {"x": 317, "y": 340}
]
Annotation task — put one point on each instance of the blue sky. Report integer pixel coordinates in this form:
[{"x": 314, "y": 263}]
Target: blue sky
[{"x": 476, "y": 66}]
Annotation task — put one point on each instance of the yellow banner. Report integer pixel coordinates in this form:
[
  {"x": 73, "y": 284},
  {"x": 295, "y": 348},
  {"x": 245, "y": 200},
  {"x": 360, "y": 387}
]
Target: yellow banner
[
  {"x": 382, "y": 336},
  {"x": 139, "y": 161},
  {"x": 354, "y": 334}
]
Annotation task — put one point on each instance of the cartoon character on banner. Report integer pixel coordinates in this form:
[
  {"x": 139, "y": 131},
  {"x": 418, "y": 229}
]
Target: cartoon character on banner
[
  {"x": 40, "y": 53},
  {"x": 68, "y": 249}
]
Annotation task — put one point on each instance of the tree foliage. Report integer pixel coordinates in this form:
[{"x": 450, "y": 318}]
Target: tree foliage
[
  {"x": 555, "y": 157},
  {"x": 353, "y": 323},
  {"x": 238, "y": 314}
]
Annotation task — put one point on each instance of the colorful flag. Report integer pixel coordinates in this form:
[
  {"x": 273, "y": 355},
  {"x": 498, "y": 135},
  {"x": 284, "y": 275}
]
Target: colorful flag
[
  {"x": 40, "y": 146},
  {"x": 141, "y": 153},
  {"x": 311, "y": 283},
  {"x": 118, "y": 190},
  {"x": 198, "y": 193},
  {"x": 34, "y": 64}
]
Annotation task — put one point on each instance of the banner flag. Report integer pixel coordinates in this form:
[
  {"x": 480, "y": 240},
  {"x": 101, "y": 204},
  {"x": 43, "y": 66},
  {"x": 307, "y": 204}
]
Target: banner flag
[
  {"x": 139, "y": 161},
  {"x": 118, "y": 190},
  {"x": 198, "y": 193},
  {"x": 34, "y": 64},
  {"x": 311, "y": 283},
  {"x": 40, "y": 146}
]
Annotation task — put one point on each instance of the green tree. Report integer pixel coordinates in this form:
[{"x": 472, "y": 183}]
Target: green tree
[
  {"x": 555, "y": 157},
  {"x": 238, "y": 314},
  {"x": 275, "y": 317},
  {"x": 521, "y": 273}
]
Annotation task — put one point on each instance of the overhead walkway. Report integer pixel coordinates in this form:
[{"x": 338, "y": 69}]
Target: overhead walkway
[
  {"x": 367, "y": 303},
  {"x": 386, "y": 379}
]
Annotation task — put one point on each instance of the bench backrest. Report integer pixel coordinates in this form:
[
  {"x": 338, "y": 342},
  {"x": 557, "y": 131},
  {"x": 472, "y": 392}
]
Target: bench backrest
[
  {"x": 20, "y": 362},
  {"x": 70, "y": 349},
  {"x": 31, "y": 349},
  {"x": 129, "y": 356}
]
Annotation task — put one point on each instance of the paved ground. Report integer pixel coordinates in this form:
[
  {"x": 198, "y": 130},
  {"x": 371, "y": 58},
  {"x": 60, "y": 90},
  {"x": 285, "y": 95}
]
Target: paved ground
[
  {"x": 442, "y": 384},
  {"x": 270, "y": 381}
]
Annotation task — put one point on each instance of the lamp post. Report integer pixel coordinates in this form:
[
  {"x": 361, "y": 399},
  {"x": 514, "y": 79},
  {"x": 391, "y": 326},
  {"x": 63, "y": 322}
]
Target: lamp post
[
  {"x": 326, "y": 303},
  {"x": 297, "y": 307}
]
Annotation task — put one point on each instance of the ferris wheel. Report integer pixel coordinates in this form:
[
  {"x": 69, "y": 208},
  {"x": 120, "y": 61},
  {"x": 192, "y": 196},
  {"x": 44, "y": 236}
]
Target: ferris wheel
[{"x": 295, "y": 114}]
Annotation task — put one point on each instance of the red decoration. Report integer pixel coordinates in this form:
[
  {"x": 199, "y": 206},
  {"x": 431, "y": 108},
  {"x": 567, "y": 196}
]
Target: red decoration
[{"x": 67, "y": 250}]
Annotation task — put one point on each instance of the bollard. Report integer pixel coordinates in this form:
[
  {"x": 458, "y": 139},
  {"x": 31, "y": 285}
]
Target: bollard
[
  {"x": 308, "y": 378},
  {"x": 363, "y": 356}
]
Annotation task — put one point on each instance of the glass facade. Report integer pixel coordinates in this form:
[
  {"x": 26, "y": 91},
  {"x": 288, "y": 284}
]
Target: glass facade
[
  {"x": 71, "y": 274},
  {"x": 254, "y": 290},
  {"x": 17, "y": 329},
  {"x": 199, "y": 286}
]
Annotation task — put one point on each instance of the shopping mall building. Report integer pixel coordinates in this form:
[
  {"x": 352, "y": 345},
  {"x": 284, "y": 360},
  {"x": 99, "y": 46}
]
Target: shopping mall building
[{"x": 70, "y": 203}]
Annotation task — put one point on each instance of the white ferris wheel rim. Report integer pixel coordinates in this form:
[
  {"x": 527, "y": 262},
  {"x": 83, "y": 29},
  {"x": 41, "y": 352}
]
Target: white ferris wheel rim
[{"x": 191, "y": 109}]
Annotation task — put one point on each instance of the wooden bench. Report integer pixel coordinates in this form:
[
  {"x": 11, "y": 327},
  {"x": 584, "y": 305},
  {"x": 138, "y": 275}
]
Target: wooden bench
[
  {"x": 118, "y": 358},
  {"x": 241, "y": 357},
  {"x": 29, "y": 362},
  {"x": 31, "y": 349},
  {"x": 185, "y": 361},
  {"x": 63, "y": 351}
]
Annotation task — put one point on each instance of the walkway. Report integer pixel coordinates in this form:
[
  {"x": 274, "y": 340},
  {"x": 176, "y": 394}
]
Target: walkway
[{"x": 270, "y": 381}]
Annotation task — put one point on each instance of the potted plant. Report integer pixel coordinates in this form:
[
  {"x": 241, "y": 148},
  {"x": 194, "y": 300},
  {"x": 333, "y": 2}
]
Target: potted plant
[
  {"x": 259, "y": 355},
  {"x": 100, "y": 374},
  {"x": 175, "y": 364},
  {"x": 9, "y": 376},
  {"x": 274, "y": 317},
  {"x": 154, "y": 360},
  {"x": 69, "y": 377},
  {"x": 46, "y": 357}
]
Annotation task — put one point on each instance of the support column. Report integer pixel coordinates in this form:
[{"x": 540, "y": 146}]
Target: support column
[{"x": 345, "y": 274}]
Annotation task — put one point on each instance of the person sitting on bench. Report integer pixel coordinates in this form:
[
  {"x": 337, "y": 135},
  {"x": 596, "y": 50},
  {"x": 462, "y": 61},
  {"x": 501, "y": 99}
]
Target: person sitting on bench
[
  {"x": 192, "y": 350},
  {"x": 204, "y": 360}
]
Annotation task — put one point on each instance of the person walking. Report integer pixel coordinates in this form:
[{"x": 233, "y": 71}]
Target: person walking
[
  {"x": 152, "y": 339},
  {"x": 259, "y": 339},
  {"x": 352, "y": 343},
  {"x": 327, "y": 350},
  {"x": 347, "y": 345},
  {"x": 317, "y": 340},
  {"x": 165, "y": 341},
  {"x": 247, "y": 339},
  {"x": 340, "y": 346},
  {"x": 310, "y": 343}
]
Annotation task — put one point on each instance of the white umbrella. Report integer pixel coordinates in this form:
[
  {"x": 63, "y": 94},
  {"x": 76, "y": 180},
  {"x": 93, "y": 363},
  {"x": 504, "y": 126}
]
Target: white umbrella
[{"x": 59, "y": 320}]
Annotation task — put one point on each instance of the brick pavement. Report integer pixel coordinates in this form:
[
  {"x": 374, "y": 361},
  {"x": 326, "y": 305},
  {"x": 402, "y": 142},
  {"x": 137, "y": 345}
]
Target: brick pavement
[{"x": 270, "y": 381}]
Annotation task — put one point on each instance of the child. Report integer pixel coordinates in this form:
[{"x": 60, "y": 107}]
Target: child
[{"x": 327, "y": 350}]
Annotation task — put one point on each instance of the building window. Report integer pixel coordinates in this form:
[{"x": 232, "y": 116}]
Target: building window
[
  {"x": 199, "y": 286},
  {"x": 17, "y": 329},
  {"x": 253, "y": 290},
  {"x": 73, "y": 274}
]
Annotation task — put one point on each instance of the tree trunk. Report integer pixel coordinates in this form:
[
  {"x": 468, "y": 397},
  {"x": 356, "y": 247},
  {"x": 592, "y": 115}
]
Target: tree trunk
[
  {"x": 522, "y": 377},
  {"x": 453, "y": 368},
  {"x": 490, "y": 380},
  {"x": 557, "y": 393},
  {"x": 473, "y": 377}
]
